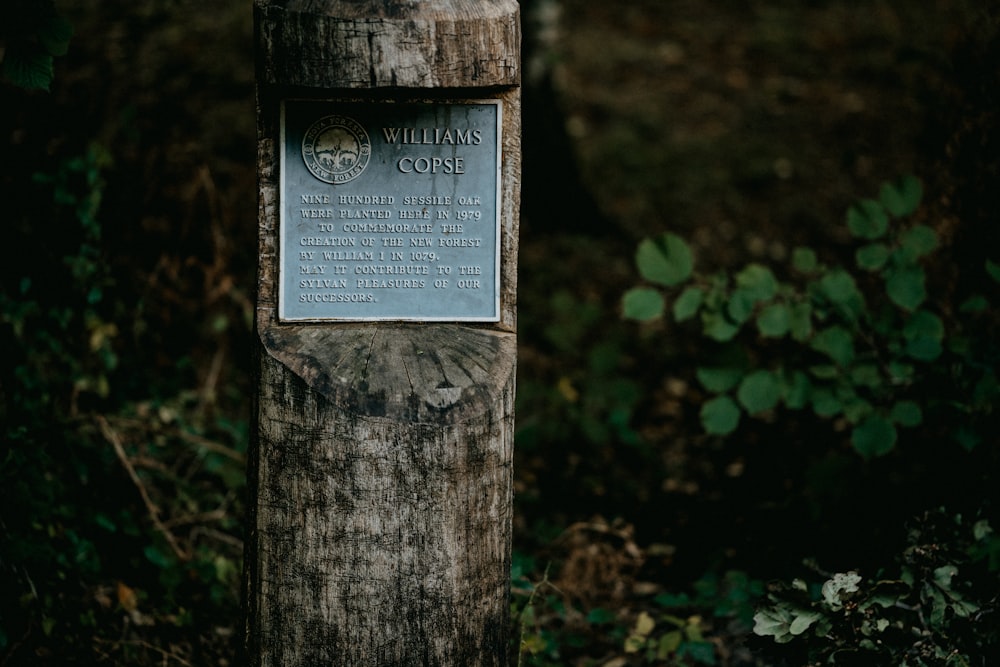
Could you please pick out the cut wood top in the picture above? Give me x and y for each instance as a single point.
(389, 44)
(445, 373)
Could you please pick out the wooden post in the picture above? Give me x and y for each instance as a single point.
(380, 467)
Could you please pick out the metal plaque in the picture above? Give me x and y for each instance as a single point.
(390, 211)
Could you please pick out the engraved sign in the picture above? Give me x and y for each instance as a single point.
(389, 211)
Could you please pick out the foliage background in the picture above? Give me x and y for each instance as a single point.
(746, 128)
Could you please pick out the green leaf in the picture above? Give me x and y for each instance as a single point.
(824, 371)
(824, 402)
(758, 282)
(720, 416)
(840, 288)
(759, 391)
(802, 621)
(701, 652)
(687, 304)
(838, 590)
(917, 242)
(867, 375)
(867, 219)
(887, 592)
(855, 407)
(835, 342)
(666, 260)
(804, 260)
(993, 269)
(157, 557)
(105, 522)
(795, 391)
(872, 257)
(642, 304)
(54, 35)
(924, 332)
(717, 327)
(906, 413)
(772, 622)
(901, 373)
(719, 379)
(774, 321)
(800, 321)
(987, 390)
(28, 69)
(905, 287)
(944, 574)
(974, 304)
(923, 349)
(740, 306)
(875, 436)
(644, 625)
(902, 197)
(598, 616)
(669, 643)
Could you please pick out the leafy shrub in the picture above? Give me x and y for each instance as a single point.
(865, 344)
(32, 33)
(940, 610)
(118, 520)
(552, 626)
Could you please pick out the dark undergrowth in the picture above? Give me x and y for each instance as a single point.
(126, 299)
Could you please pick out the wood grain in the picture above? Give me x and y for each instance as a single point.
(380, 467)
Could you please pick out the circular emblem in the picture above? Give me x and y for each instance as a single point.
(336, 149)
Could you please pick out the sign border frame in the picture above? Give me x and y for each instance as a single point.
(497, 231)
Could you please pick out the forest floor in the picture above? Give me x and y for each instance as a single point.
(746, 128)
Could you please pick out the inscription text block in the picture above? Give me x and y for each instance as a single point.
(389, 211)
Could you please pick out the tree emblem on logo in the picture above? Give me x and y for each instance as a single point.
(336, 149)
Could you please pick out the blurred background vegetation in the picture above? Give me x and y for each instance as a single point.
(746, 129)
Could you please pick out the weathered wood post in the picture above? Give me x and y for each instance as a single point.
(380, 470)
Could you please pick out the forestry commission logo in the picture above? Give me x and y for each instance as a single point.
(336, 149)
